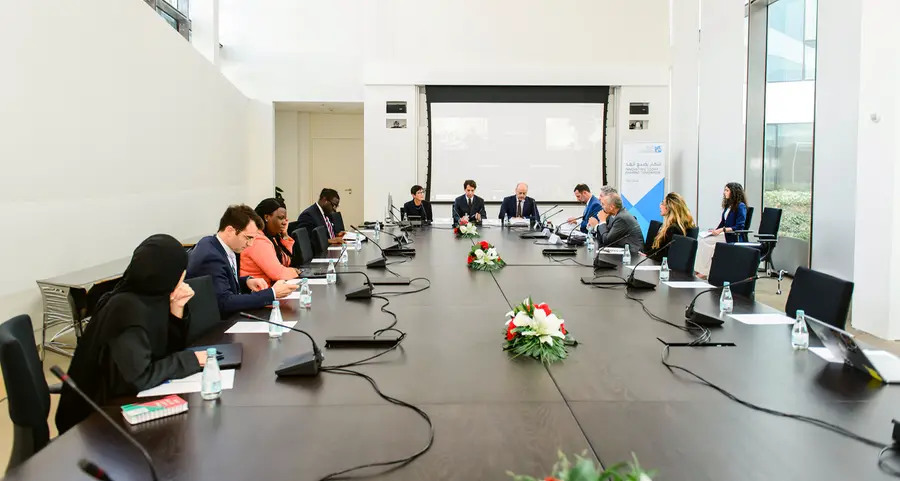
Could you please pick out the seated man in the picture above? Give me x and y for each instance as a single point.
(616, 226)
(218, 256)
(519, 206)
(469, 206)
(591, 206)
(418, 206)
(319, 215)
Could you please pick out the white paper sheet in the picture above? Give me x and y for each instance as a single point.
(518, 221)
(325, 260)
(349, 236)
(254, 327)
(312, 282)
(762, 319)
(644, 268)
(613, 250)
(293, 295)
(687, 285)
(187, 385)
(335, 248)
(704, 234)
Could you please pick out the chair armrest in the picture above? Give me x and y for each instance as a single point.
(768, 239)
(55, 388)
(742, 232)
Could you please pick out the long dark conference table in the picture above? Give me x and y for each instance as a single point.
(610, 398)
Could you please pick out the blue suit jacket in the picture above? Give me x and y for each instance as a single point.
(592, 208)
(529, 208)
(209, 259)
(735, 220)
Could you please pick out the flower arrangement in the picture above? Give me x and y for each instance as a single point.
(465, 229)
(484, 257)
(534, 330)
(585, 470)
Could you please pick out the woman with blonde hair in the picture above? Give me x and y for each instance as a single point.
(677, 220)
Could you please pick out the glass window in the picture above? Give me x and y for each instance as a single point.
(791, 43)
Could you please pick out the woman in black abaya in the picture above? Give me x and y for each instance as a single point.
(135, 340)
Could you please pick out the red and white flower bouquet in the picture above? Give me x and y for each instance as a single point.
(466, 229)
(484, 257)
(534, 330)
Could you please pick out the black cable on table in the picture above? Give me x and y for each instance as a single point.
(705, 333)
(554, 259)
(394, 464)
(401, 293)
(799, 417)
(885, 467)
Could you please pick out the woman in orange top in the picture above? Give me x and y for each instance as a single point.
(269, 256)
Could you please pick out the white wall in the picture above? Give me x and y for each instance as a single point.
(876, 306)
(684, 99)
(260, 151)
(837, 119)
(109, 135)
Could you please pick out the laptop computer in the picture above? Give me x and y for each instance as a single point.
(881, 365)
(228, 355)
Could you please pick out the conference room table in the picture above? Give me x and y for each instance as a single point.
(493, 413)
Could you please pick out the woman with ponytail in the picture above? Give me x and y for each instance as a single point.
(269, 256)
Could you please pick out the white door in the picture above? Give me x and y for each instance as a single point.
(336, 161)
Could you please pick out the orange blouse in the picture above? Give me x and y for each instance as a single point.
(261, 261)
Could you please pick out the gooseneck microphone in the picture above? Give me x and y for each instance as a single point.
(62, 376)
(637, 283)
(364, 292)
(306, 364)
(706, 320)
(381, 263)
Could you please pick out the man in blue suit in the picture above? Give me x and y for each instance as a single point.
(519, 206)
(218, 256)
(592, 206)
(469, 205)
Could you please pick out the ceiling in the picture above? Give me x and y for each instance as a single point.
(321, 107)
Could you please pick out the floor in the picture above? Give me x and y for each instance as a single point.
(766, 293)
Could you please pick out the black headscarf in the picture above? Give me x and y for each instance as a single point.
(140, 299)
(268, 207)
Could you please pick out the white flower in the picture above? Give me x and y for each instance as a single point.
(522, 320)
(492, 252)
(479, 254)
(644, 477)
(479, 261)
(547, 327)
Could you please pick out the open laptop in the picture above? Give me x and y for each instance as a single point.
(881, 365)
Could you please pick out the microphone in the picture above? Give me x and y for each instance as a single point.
(637, 283)
(62, 376)
(398, 249)
(93, 470)
(706, 320)
(381, 263)
(364, 292)
(541, 220)
(306, 364)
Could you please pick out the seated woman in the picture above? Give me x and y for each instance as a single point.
(418, 206)
(269, 256)
(135, 340)
(734, 214)
(676, 221)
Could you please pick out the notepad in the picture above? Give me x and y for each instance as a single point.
(762, 319)
(148, 411)
(254, 327)
(187, 385)
(644, 268)
(613, 250)
(687, 285)
(325, 260)
(312, 282)
(704, 234)
(335, 248)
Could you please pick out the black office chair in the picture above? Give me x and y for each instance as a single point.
(203, 308)
(748, 218)
(292, 226)
(26, 389)
(766, 238)
(652, 230)
(693, 232)
(303, 250)
(820, 295)
(319, 240)
(732, 263)
(683, 254)
(337, 222)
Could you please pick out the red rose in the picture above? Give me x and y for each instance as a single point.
(484, 245)
(544, 307)
(469, 259)
(548, 478)
(510, 335)
(456, 230)
(463, 222)
(562, 328)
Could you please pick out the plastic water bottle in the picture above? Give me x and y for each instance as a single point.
(626, 256)
(800, 333)
(275, 316)
(664, 270)
(506, 222)
(305, 294)
(358, 242)
(330, 275)
(589, 242)
(211, 380)
(726, 302)
(344, 256)
(377, 230)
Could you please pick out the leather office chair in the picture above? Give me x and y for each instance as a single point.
(337, 221)
(292, 226)
(683, 254)
(652, 230)
(766, 238)
(203, 308)
(748, 219)
(820, 295)
(26, 389)
(734, 263)
(303, 250)
(693, 232)
(319, 240)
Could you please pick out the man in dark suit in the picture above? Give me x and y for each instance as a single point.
(319, 215)
(519, 206)
(218, 256)
(617, 227)
(469, 206)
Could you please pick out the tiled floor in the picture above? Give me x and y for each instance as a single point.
(765, 293)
